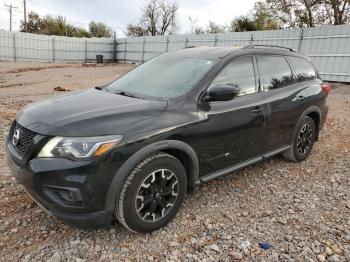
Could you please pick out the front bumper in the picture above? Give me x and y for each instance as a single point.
(41, 178)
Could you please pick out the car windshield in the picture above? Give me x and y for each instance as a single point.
(166, 76)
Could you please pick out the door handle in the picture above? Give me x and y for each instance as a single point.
(256, 110)
(300, 98)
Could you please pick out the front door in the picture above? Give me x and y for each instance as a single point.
(231, 132)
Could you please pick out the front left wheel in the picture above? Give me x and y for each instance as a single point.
(152, 193)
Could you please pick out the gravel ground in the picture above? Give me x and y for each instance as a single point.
(301, 209)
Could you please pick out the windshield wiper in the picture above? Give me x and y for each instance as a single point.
(126, 93)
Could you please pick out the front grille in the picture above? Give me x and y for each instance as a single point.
(25, 140)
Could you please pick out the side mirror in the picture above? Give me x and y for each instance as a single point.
(222, 92)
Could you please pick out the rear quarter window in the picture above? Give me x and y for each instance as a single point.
(274, 71)
(302, 68)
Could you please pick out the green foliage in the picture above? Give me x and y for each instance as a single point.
(99, 29)
(243, 24)
(260, 19)
(49, 25)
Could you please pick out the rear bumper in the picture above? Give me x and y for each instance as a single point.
(39, 176)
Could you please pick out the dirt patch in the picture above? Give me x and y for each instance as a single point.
(26, 69)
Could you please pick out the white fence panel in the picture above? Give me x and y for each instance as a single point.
(328, 46)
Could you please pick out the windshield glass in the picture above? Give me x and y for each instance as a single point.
(166, 76)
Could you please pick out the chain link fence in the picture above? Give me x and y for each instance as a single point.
(328, 47)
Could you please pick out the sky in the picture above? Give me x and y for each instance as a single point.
(118, 13)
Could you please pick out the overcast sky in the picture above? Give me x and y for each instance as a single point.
(118, 13)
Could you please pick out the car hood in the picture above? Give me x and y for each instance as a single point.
(88, 113)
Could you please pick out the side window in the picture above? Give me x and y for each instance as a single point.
(303, 70)
(275, 72)
(238, 72)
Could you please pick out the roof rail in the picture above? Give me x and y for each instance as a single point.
(269, 46)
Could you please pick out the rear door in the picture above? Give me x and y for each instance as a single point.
(231, 132)
(286, 99)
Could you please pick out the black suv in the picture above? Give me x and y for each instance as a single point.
(131, 150)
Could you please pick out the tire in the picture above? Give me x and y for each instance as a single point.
(303, 141)
(152, 194)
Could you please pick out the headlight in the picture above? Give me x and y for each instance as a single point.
(79, 147)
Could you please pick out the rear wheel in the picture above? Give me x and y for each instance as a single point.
(303, 141)
(152, 193)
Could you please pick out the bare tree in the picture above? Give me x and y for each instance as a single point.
(307, 11)
(301, 13)
(158, 18)
(337, 11)
(168, 17)
(198, 30)
(282, 12)
(214, 28)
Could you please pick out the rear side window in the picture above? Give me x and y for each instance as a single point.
(238, 72)
(303, 70)
(275, 72)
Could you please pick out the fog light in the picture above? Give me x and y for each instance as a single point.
(64, 195)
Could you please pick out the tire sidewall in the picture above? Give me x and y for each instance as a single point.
(131, 217)
(310, 121)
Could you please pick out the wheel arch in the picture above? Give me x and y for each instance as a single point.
(315, 113)
(317, 119)
(182, 151)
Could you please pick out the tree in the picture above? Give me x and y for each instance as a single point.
(198, 30)
(99, 29)
(158, 18)
(214, 28)
(135, 30)
(263, 18)
(49, 25)
(337, 12)
(242, 24)
(34, 25)
(302, 13)
(282, 12)
(260, 18)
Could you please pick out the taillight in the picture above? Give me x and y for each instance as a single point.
(326, 88)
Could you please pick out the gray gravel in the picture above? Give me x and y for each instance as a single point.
(301, 209)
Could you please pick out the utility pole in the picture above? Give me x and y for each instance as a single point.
(11, 7)
(25, 15)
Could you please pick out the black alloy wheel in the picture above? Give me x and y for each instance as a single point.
(303, 140)
(152, 194)
(157, 195)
